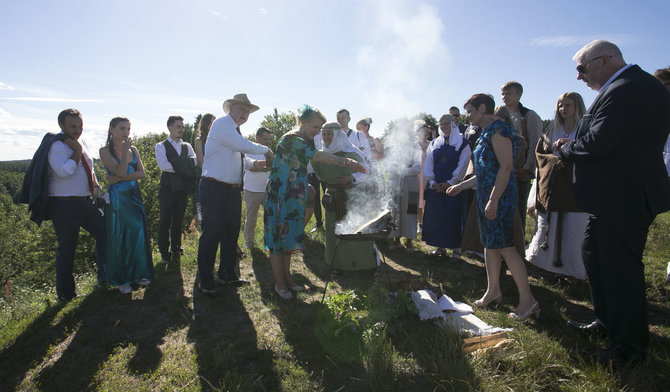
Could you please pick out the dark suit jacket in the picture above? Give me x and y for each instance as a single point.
(35, 190)
(618, 150)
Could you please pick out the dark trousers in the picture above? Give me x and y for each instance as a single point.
(314, 182)
(523, 187)
(612, 252)
(221, 212)
(172, 210)
(68, 215)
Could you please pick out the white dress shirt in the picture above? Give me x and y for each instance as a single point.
(254, 181)
(161, 157)
(65, 177)
(223, 158)
(359, 140)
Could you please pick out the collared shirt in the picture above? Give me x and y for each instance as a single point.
(65, 177)
(611, 79)
(223, 159)
(359, 140)
(254, 181)
(161, 158)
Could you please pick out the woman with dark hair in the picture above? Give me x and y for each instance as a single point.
(128, 250)
(559, 231)
(497, 199)
(286, 195)
(202, 131)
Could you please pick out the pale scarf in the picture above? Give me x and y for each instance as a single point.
(455, 138)
(341, 143)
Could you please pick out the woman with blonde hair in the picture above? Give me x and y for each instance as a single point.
(560, 227)
(376, 148)
(286, 195)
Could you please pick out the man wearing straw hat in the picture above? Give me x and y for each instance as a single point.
(220, 197)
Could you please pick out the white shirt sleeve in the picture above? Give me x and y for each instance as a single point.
(229, 137)
(59, 159)
(366, 146)
(463, 160)
(161, 158)
(358, 176)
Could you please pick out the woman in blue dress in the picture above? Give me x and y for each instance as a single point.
(286, 195)
(128, 251)
(497, 202)
(447, 158)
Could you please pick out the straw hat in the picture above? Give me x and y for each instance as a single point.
(239, 99)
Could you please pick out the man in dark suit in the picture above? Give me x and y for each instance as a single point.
(620, 180)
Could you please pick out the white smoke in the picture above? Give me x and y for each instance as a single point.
(380, 189)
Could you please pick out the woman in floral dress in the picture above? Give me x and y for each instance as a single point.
(286, 195)
(497, 199)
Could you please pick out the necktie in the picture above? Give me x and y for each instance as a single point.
(87, 169)
(241, 161)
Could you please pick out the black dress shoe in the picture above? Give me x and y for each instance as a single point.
(237, 282)
(594, 327)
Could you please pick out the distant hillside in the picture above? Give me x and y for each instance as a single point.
(11, 176)
(15, 166)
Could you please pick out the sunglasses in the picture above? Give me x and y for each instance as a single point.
(581, 68)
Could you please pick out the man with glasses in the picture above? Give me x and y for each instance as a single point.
(620, 180)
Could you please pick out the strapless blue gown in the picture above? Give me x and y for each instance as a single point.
(128, 249)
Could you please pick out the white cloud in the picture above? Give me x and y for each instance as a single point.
(404, 40)
(576, 40)
(263, 11)
(219, 15)
(5, 87)
(52, 99)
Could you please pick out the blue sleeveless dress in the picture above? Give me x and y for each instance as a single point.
(444, 216)
(497, 233)
(128, 249)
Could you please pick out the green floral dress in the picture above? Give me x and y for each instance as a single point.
(286, 195)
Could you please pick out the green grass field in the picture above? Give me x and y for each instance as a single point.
(171, 337)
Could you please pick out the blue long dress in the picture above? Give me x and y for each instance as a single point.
(444, 216)
(128, 250)
(497, 233)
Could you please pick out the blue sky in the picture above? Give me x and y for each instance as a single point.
(148, 59)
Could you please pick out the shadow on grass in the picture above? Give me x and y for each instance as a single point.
(69, 345)
(108, 319)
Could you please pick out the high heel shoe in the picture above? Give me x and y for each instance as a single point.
(534, 310)
(481, 303)
(283, 293)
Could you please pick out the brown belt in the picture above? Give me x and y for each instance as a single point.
(221, 182)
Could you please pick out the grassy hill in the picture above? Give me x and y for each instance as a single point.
(170, 336)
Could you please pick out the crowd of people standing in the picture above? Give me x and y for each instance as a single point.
(492, 172)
